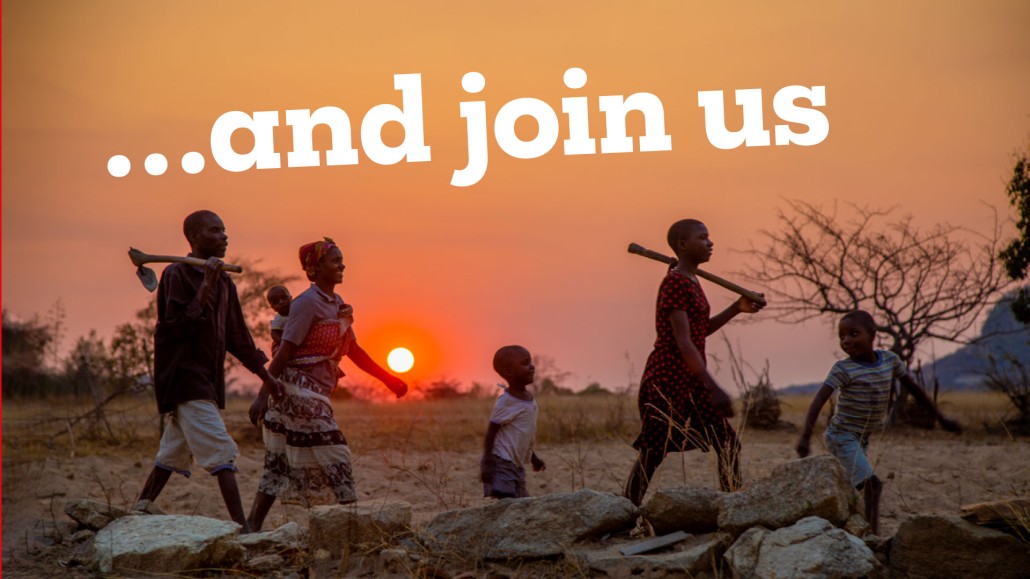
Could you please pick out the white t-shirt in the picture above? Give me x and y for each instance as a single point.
(517, 421)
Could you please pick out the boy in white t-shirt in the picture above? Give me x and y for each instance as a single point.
(512, 430)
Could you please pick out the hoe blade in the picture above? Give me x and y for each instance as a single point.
(147, 277)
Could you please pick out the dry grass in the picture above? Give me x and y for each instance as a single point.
(427, 453)
(34, 430)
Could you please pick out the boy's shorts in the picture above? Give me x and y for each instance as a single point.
(509, 480)
(850, 450)
(196, 430)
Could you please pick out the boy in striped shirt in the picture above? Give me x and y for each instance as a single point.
(863, 380)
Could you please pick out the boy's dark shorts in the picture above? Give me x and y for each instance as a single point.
(509, 481)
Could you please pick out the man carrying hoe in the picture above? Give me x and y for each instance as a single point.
(199, 319)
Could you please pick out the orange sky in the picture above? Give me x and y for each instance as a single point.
(927, 103)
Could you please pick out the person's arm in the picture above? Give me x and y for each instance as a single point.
(181, 305)
(695, 362)
(814, 409)
(362, 360)
(920, 395)
(741, 306)
(212, 273)
(486, 464)
(537, 462)
(240, 344)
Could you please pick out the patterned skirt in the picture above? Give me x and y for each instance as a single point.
(307, 460)
(679, 417)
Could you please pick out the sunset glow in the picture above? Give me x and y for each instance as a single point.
(922, 118)
(400, 360)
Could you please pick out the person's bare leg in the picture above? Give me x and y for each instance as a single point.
(155, 484)
(231, 496)
(259, 510)
(873, 488)
(640, 476)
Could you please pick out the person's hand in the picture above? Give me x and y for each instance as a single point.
(486, 469)
(275, 388)
(346, 312)
(257, 410)
(949, 425)
(538, 465)
(802, 446)
(721, 402)
(212, 269)
(396, 385)
(747, 306)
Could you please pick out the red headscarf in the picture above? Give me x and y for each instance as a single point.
(311, 253)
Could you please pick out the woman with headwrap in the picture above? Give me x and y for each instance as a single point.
(307, 460)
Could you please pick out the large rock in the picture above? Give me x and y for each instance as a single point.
(943, 546)
(812, 548)
(814, 486)
(531, 527)
(166, 544)
(365, 523)
(695, 555)
(688, 509)
(92, 514)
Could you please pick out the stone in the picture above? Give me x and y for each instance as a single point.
(285, 538)
(811, 548)
(265, 563)
(530, 527)
(166, 544)
(943, 546)
(335, 528)
(695, 555)
(93, 515)
(396, 561)
(146, 507)
(815, 486)
(81, 536)
(688, 509)
(857, 525)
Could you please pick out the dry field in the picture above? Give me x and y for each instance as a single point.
(427, 453)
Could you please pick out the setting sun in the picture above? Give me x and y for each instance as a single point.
(400, 360)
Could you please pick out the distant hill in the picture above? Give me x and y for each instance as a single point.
(963, 369)
(1003, 335)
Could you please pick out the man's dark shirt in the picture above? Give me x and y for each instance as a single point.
(190, 343)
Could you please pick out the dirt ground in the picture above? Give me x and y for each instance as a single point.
(924, 472)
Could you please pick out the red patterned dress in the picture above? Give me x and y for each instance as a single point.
(676, 410)
(307, 460)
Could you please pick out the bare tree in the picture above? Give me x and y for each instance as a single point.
(1011, 377)
(919, 284)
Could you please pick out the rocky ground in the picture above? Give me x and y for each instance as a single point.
(925, 473)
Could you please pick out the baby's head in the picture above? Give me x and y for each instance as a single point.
(279, 298)
(515, 365)
(857, 333)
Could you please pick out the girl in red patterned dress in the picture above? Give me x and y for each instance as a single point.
(307, 460)
(681, 405)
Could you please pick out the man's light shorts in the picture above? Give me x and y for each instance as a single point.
(196, 430)
(850, 450)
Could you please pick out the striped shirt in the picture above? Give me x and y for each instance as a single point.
(863, 390)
